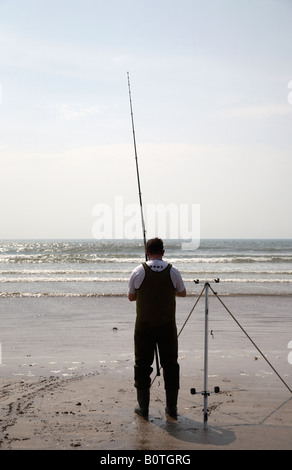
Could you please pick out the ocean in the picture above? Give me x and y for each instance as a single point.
(30, 268)
(64, 310)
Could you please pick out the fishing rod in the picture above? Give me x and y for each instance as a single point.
(140, 198)
(137, 167)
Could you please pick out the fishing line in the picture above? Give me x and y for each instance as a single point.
(191, 312)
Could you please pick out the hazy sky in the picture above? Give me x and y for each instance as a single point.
(210, 84)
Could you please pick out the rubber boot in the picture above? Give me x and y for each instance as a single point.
(143, 397)
(171, 403)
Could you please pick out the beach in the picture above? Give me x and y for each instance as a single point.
(67, 376)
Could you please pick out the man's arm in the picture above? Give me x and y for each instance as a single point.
(183, 293)
(180, 290)
(135, 281)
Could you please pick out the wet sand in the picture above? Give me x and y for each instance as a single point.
(96, 412)
(66, 382)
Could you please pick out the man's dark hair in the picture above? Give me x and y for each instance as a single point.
(155, 246)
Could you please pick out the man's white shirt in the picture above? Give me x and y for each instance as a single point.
(138, 275)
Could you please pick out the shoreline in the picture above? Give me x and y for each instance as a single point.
(9, 295)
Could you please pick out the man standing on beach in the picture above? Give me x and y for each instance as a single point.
(154, 285)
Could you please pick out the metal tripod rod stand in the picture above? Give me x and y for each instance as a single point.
(206, 355)
(206, 392)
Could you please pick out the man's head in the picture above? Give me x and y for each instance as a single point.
(155, 247)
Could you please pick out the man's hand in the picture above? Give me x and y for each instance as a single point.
(132, 297)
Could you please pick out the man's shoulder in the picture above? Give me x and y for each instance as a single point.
(138, 269)
(174, 268)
